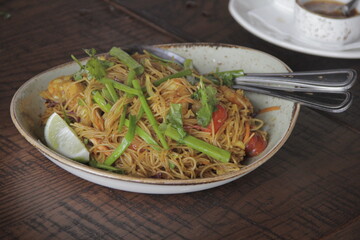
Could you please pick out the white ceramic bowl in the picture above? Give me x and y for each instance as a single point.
(207, 58)
(328, 31)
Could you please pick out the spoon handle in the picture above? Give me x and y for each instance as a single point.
(335, 102)
(326, 90)
(333, 80)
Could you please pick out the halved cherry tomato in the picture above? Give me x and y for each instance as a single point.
(256, 145)
(218, 117)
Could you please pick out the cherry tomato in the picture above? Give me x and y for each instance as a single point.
(256, 145)
(218, 117)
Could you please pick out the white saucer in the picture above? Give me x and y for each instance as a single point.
(240, 10)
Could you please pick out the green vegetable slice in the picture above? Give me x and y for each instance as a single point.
(97, 164)
(145, 136)
(130, 77)
(112, 92)
(125, 143)
(125, 58)
(120, 86)
(149, 114)
(100, 100)
(199, 145)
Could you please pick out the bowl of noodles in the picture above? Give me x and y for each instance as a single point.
(151, 125)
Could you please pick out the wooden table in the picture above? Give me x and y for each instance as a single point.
(309, 190)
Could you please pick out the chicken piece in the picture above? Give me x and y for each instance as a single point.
(73, 91)
(64, 90)
(56, 89)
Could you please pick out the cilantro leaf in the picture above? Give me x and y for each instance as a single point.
(95, 68)
(188, 64)
(174, 118)
(107, 64)
(91, 52)
(207, 97)
(79, 74)
(225, 78)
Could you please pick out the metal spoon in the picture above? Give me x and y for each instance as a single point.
(325, 90)
(347, 8)
(334, 80)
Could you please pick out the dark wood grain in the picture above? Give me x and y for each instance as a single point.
(309, 190)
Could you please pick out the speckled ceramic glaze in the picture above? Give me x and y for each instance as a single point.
(325, 30)
(27, 107)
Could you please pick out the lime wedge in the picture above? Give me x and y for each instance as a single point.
(60, 137)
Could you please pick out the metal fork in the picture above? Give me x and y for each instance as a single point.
(326, 90)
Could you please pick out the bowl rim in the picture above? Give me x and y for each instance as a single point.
(153, 181)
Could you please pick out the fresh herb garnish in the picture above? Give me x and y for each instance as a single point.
(174, 118)
(188, 64)
(79, 74)
(225, 78)
(207, 97)
(94, 68)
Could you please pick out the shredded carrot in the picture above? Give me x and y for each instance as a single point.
(269, 109)
(247, 132)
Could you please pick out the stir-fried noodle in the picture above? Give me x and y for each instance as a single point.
(99, 130)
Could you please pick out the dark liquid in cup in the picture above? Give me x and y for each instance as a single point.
(328, 9)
